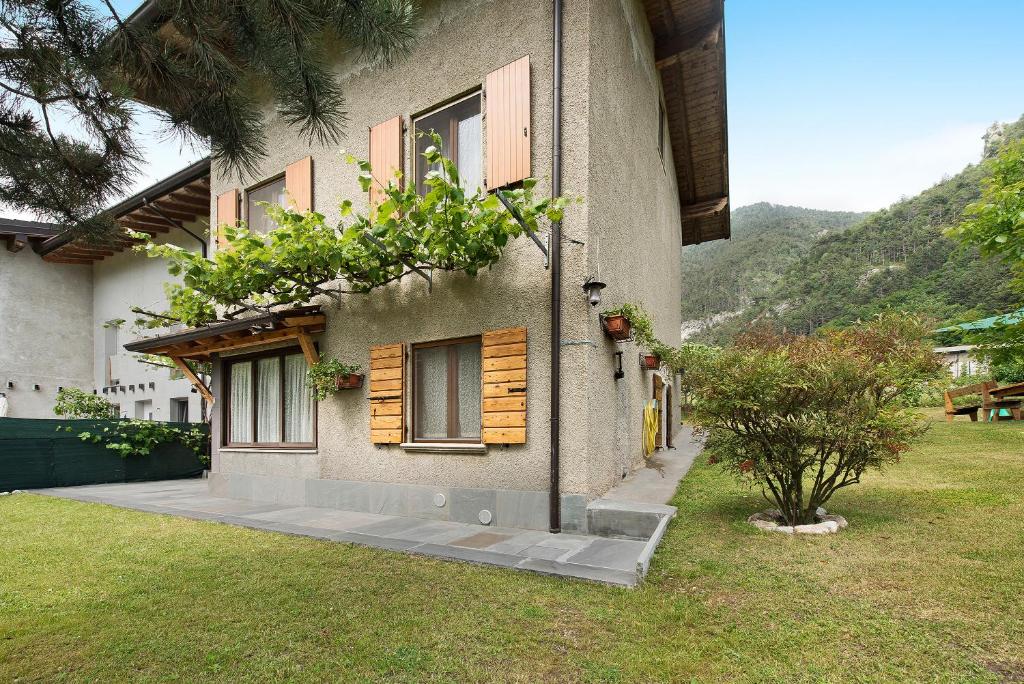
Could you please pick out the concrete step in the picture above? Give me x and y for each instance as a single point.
(627, 519)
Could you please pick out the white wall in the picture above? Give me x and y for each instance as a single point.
(45, 330)
(120, 282)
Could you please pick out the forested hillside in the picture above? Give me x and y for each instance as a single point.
(727, 276)
(895, 258)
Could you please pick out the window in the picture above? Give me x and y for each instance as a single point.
(446, 391)
(110, 335)
(459, 125)
(179, 410)
(144, 410)
(268, 401)
(272, 192)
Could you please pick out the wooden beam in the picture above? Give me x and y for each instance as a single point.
(145, 226)
(702, 209)
(667, 49)
(194, 379)
(159, 211)
(308, 348)
(53, 259)
(15, 243)
(185, 203)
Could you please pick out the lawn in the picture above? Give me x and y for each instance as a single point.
(926, 584)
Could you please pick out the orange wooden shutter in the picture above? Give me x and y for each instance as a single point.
(508, 124)
(504, 406)
(227, 212)
(385, 157)
(387, 393)
(298, 183)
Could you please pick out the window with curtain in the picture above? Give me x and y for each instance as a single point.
(447, 391)
(459, 125)
(272, 192)
(269, 402)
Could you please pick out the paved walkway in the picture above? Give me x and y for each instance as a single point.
(612, 561)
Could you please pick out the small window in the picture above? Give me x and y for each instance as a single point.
(272, 192)
(459, 126)
(179, 410)
(269, 402)
(446, 391)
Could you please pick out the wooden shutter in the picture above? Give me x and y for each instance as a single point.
(385, 157)
(387, 393)
(298, 184)
(504, 369)
(508, 124)
(227, 212)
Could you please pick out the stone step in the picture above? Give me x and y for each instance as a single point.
(627, 519)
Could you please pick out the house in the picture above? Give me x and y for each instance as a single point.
(66, 306)
(961, 358)
(493, 399)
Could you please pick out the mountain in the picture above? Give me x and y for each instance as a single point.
(896, 258)
(725, 277)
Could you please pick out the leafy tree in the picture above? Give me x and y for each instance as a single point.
(206, 66)
(445, 229)
(805, 416)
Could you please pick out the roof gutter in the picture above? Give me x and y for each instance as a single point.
(555, 503)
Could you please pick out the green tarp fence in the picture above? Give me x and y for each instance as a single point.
(35, 454)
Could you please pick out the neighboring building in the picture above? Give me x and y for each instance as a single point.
(960, 358)
(62, 303)
(455, 419)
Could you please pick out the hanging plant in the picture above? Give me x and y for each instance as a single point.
(327, 376)
(637, 324)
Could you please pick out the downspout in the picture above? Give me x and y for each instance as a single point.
(556, 268)
(202, 243)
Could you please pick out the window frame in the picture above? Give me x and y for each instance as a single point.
(226, 365)
(243, 197)
(453, 389)
(478, 93)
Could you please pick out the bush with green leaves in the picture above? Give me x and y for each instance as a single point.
(803, 417)
(321, 376)
(130, 437)
(448, 228)
(75, 403)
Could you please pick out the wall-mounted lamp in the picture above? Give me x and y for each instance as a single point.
(152, 385)
(10, 384)
(36, 388)
(593, 289)
(619, 373)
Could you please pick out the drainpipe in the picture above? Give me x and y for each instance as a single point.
(556, 268)
(202, 243)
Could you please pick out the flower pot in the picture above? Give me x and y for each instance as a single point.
(650, 362)
(350, 381)
(616, 327)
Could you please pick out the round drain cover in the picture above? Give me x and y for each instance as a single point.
(485, 517)
(439, 500)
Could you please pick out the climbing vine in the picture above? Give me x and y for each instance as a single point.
(448, 228)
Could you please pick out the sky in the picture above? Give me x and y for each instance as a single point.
(833, 104)
(851, 104)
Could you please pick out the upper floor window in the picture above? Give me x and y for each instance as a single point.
(272, 192)
(460, 127)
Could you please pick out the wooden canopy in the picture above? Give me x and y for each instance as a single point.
(16, 233)
(183, 197)
(689, 48)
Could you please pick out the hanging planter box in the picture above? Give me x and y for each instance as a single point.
(350, 381)
(650, 361)
(617, 327)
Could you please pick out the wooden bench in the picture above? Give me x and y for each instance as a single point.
(979, 388)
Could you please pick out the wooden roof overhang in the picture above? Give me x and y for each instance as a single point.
(160, 208)
(17, 233)
(200, 344)
(689, 50)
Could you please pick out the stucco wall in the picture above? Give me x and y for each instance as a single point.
(45, 330)
(460, 43)
(120, 282)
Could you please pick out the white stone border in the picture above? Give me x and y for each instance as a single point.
(771, 521)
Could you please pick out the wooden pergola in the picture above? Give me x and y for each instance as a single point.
(201, 344)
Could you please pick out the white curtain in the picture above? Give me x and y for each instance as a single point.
(298, 401)
(469, 389)
(431, 393)
(268, 400)
(240, 429)
(272, 193)
(470, 156)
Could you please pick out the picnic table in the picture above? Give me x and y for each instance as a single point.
(1006, 398)
(1014, 390)
(996, 402)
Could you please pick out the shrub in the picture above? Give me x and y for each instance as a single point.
(804, 416)
(75, 403)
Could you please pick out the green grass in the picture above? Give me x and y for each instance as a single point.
(926, 584)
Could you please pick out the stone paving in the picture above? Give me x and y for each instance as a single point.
(612, 561)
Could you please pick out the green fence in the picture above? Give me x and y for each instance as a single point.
(34, 454)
